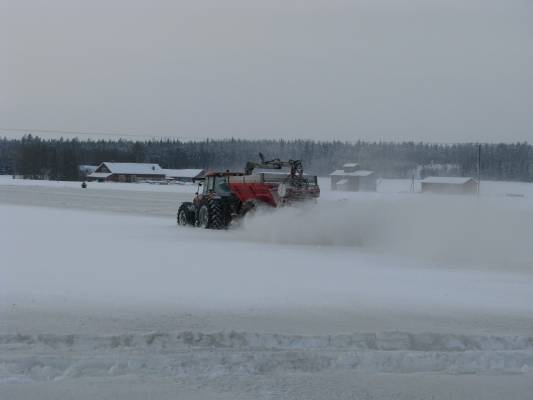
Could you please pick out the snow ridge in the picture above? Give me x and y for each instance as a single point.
(382, 341)
(196, 354)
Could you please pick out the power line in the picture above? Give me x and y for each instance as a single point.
(91, 133)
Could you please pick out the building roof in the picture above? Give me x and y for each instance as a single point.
(447, 180)
(99, 175)
(350, 165)
(360, 172)
(182, 173)
(133, 168)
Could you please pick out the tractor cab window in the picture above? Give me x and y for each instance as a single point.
(208, 184)
(221, 185)
(217, 184)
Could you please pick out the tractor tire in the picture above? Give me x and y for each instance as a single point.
(212, 215)
(185, 216)
(217, 216)
(203, 217)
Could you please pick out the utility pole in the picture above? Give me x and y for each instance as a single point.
(478, 167)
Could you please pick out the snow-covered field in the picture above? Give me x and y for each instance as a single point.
(362, 296)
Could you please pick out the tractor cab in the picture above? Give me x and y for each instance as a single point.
(214, 185)
(218, 183)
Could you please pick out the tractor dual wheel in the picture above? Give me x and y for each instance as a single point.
(212, 215)
(203, 217)
(185, 216)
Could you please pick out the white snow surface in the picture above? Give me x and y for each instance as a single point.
(7, 181)
(361, 296)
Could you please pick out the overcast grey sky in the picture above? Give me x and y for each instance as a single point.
(432, 70)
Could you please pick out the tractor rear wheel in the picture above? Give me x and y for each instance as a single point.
(203, 217)
(212, 215)
(185, 216)
(217, 216)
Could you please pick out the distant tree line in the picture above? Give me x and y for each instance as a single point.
(59, 159)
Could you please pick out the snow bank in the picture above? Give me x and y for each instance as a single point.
(201, 354)
(382, 341)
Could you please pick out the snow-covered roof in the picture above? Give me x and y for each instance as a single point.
(133, 168)
(183, 173)
(342, 182)
(350, 165)
(447, 180)
(360, 172)
(99, 175)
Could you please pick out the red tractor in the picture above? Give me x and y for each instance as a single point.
(223, 197)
